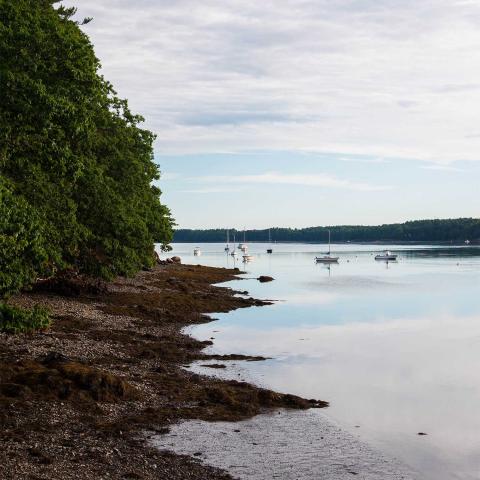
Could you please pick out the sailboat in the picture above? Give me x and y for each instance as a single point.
(270, 249)
(234, 251)
(327, 258)
(387, 256)
(243, 246)
(227, 247)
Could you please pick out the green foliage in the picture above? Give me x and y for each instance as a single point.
(22, 245)
(450, 230)
(16, 320)
(78, 167)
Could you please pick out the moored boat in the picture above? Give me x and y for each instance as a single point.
(270, 249)
(197, 252)
(227, 246)
(387, 256)
(243, 246)
(328, 257)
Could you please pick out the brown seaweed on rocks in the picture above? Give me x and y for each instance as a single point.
(74, 400)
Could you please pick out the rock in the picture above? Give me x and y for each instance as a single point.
(55, 357)
(265, 279)
(14, 390)
(176, 260)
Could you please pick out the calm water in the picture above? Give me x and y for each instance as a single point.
(395, 348)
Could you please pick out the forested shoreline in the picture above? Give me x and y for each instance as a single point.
(450, 230)
(77, 171)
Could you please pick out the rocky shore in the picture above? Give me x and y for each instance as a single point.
(76, 399)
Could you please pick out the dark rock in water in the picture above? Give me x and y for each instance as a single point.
(214, 365)
(422, 434)
(265, 279)
(176, 260)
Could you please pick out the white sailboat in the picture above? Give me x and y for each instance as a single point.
(234, 253)
(197, 252)
(386, 256)
(243, 246)
(327, 258)
(227, 247)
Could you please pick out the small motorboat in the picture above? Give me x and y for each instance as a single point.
(269, 250)
(248, 258)
(197, 252)
(386, 256)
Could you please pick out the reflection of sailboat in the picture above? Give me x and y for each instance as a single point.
(270, 249)
(327, 258)
(328, 266)
(227, 247)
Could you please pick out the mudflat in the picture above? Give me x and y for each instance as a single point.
(76, 400)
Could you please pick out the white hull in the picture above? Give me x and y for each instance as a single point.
(389, 258)
(247, 258)
(326, 259)
(386, 256)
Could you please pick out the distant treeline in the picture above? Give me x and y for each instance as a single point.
(451, 230)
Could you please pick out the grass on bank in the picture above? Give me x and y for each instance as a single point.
(16, 320)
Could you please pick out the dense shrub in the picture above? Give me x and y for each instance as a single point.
(17, 320)
(22, 252)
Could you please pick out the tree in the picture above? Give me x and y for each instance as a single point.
(72, 154)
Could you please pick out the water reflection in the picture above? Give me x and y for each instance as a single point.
(394, 347)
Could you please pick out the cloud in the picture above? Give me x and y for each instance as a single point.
(306, 180)
(442, 168)
(380, 78)
(208, 190)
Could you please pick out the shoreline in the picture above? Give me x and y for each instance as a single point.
(76, 398)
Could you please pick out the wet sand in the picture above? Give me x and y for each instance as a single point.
(287, 445)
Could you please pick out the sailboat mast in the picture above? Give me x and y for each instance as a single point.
(329, 251)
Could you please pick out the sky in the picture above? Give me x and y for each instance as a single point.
(302, 112)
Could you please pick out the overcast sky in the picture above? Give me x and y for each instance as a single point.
(302, 112)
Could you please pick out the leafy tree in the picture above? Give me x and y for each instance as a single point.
(79, 169)
(22, 245)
